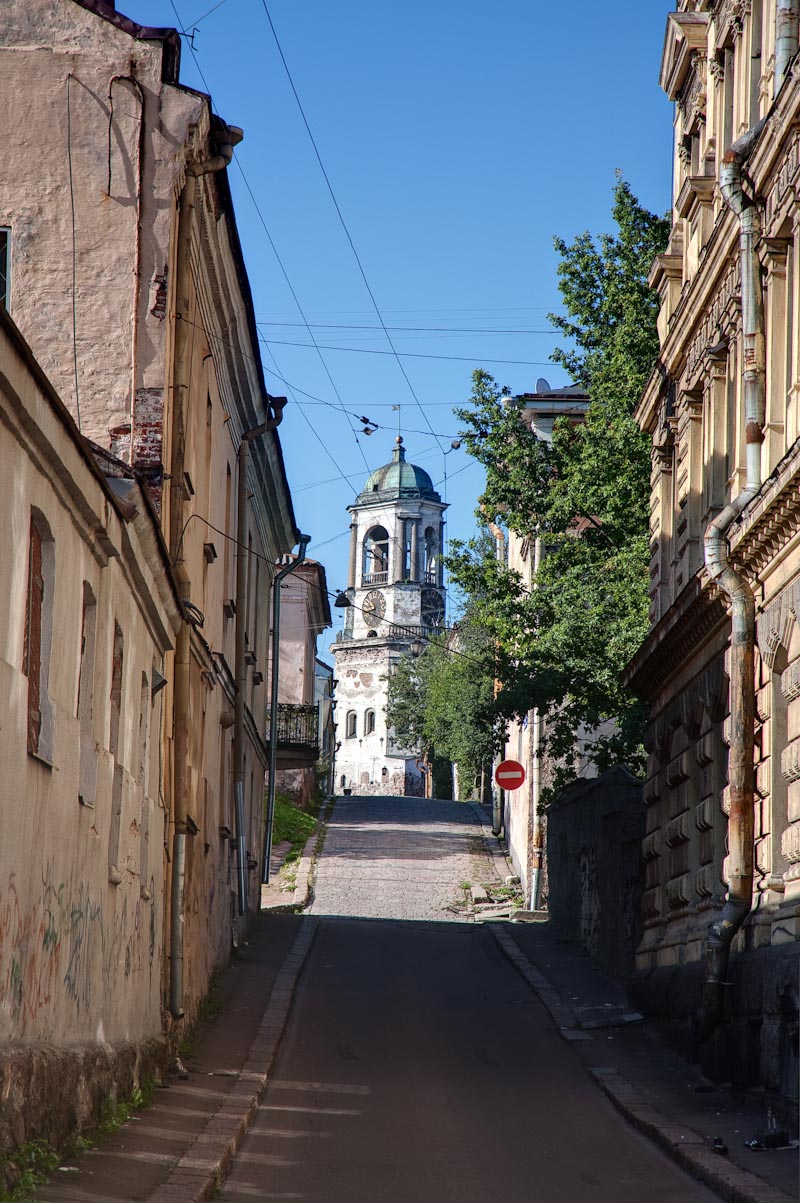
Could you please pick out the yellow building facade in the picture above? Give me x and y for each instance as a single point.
(720, 669)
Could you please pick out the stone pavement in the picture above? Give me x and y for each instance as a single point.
(399, 858)
(407, 859)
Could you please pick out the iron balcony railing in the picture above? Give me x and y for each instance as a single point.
(298, 726)
(375, 578)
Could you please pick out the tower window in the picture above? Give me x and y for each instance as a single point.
(431, 565)
(351, 724)
(369, 722)
(376, 557)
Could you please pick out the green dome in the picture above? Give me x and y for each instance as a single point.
(398, 479)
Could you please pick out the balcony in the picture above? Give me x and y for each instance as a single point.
(375, 578)
(297, 736)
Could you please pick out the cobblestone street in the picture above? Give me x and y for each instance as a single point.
(399, 858)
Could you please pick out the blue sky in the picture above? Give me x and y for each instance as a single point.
(458, 138)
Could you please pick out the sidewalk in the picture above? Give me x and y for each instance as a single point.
(662, 1095)
(177, 1149)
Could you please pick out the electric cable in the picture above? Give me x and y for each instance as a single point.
(341, 217)
(277, 256)
(534, 363)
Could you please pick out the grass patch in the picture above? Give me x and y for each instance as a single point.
(28, 1167)
(33, 1164)
(293, 825)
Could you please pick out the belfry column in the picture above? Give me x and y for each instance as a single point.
(415, 549)
(351, 571)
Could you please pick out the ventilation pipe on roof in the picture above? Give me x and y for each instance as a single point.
(787, 35)
(741, 772)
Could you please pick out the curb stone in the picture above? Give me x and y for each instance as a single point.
(690, 1150)
(684, 1145)
(500, 862)
(203, 1168)
(561, 1012)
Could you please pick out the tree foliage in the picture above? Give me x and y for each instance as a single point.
(562, 645)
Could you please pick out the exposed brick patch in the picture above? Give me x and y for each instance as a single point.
(120, 441)
(158, 295)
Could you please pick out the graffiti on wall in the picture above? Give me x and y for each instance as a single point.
(56, 943)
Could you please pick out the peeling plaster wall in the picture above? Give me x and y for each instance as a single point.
(81, 899)
(75, 103)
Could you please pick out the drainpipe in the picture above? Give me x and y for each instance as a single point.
(787, 35)
(741, 771)
(535, 722)
(240, 663)
(273, 699)
(180, 404)
(497, 793)
(180, 715)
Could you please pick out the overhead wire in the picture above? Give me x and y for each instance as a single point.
(289, 284)
(535, 363)
(341, 217)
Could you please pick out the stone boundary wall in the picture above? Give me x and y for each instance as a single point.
(595, 866)
(55, 1094)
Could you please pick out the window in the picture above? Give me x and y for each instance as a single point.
(351, 724)
(38, 636)
(115, 698)
(431, 567)
(369, 722)
(88, 752)
(376, 557)
(5, 266)
(142, 781)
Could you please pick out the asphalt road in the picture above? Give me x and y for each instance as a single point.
(418, 1067)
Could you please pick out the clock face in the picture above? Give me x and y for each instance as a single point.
(432, 609)
(373, 608)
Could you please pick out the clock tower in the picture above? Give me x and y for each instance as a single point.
(397, 597)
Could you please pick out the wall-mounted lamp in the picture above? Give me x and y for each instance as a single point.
(157, 683)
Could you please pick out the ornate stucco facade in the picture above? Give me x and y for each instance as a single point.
(723, 781)
(396, 595)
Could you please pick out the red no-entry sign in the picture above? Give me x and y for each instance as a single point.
(509, 775)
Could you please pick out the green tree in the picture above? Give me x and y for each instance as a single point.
(441, 701)
(562, 646)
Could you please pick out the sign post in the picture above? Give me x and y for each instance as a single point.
(509, 775)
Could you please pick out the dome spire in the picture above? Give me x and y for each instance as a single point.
(399, 452)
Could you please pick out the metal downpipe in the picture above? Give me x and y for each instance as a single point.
(273, 701)
(180, 716)
(497, 792)
(787, 35)
(741, 770)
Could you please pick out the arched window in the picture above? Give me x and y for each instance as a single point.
(431, 557)
(351, 724)
(369, 722)
(376, 557)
